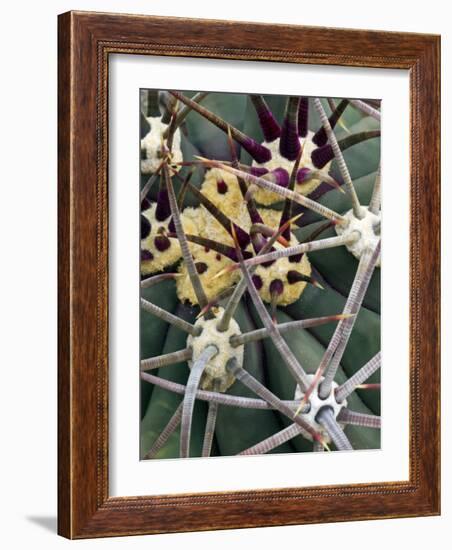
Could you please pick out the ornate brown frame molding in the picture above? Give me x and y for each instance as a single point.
(85, 42)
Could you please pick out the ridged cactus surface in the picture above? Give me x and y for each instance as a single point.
(260, 274)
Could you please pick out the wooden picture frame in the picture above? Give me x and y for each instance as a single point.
(85, 42)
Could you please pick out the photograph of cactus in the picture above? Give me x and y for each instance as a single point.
(260, 274)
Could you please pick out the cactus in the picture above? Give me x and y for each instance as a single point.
(260, 274)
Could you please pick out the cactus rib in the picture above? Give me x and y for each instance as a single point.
(364, 273)
(167, 431)
(259, 389)
(274, 441)
(339, 158)
(345, 389)
(168, 317)
(258, 334)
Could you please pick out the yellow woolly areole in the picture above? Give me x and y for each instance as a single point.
(205, 226)
(210, 262)
(152, 145)
(215, 375)
(214, 263)
(161, 259)
(231, 203)
(279, 270)
(222, 188)
(265, 197)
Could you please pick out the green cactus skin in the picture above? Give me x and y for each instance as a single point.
(237, 428)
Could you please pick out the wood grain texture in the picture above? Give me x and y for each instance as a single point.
(85, 42)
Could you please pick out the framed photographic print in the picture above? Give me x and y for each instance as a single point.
(248, 275)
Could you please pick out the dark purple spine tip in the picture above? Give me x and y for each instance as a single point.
(295, 277)
(303, 174)
(276, 287)
(255, 217)
(222, 187)
(320, 137)
(259, 153)
(258, 171)
(257, 281)
(270, 128)
(289, 144)
(201, 267)
(242, 237)
(322, 156)
(145, 227)
(281, 177)
(145, 127)
(145, 204)
(146, 255)
(163, 209)
(268, 264)
(303, 113)
(171, 226)
(295, 259)
(162, 243)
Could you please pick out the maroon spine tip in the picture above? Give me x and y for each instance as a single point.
(269, 263)
(222, 187)
(289, 144)
(295, 258)
(276, 287)
(269, 125)
(258, 171)
(303, 116)
(259, 153)
(242, 237)
(145, 127)
(322, 156)
(270, 128)
(145, 227)
(294, 277)
(171, 226)
(303, 174)
(146, 255)
(163, 209)
(162, 243)
(281, 177)
(257, 282)
(201, 267)
(320, 137)
(145, 204)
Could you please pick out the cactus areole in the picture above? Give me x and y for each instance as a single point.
(215, 374)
